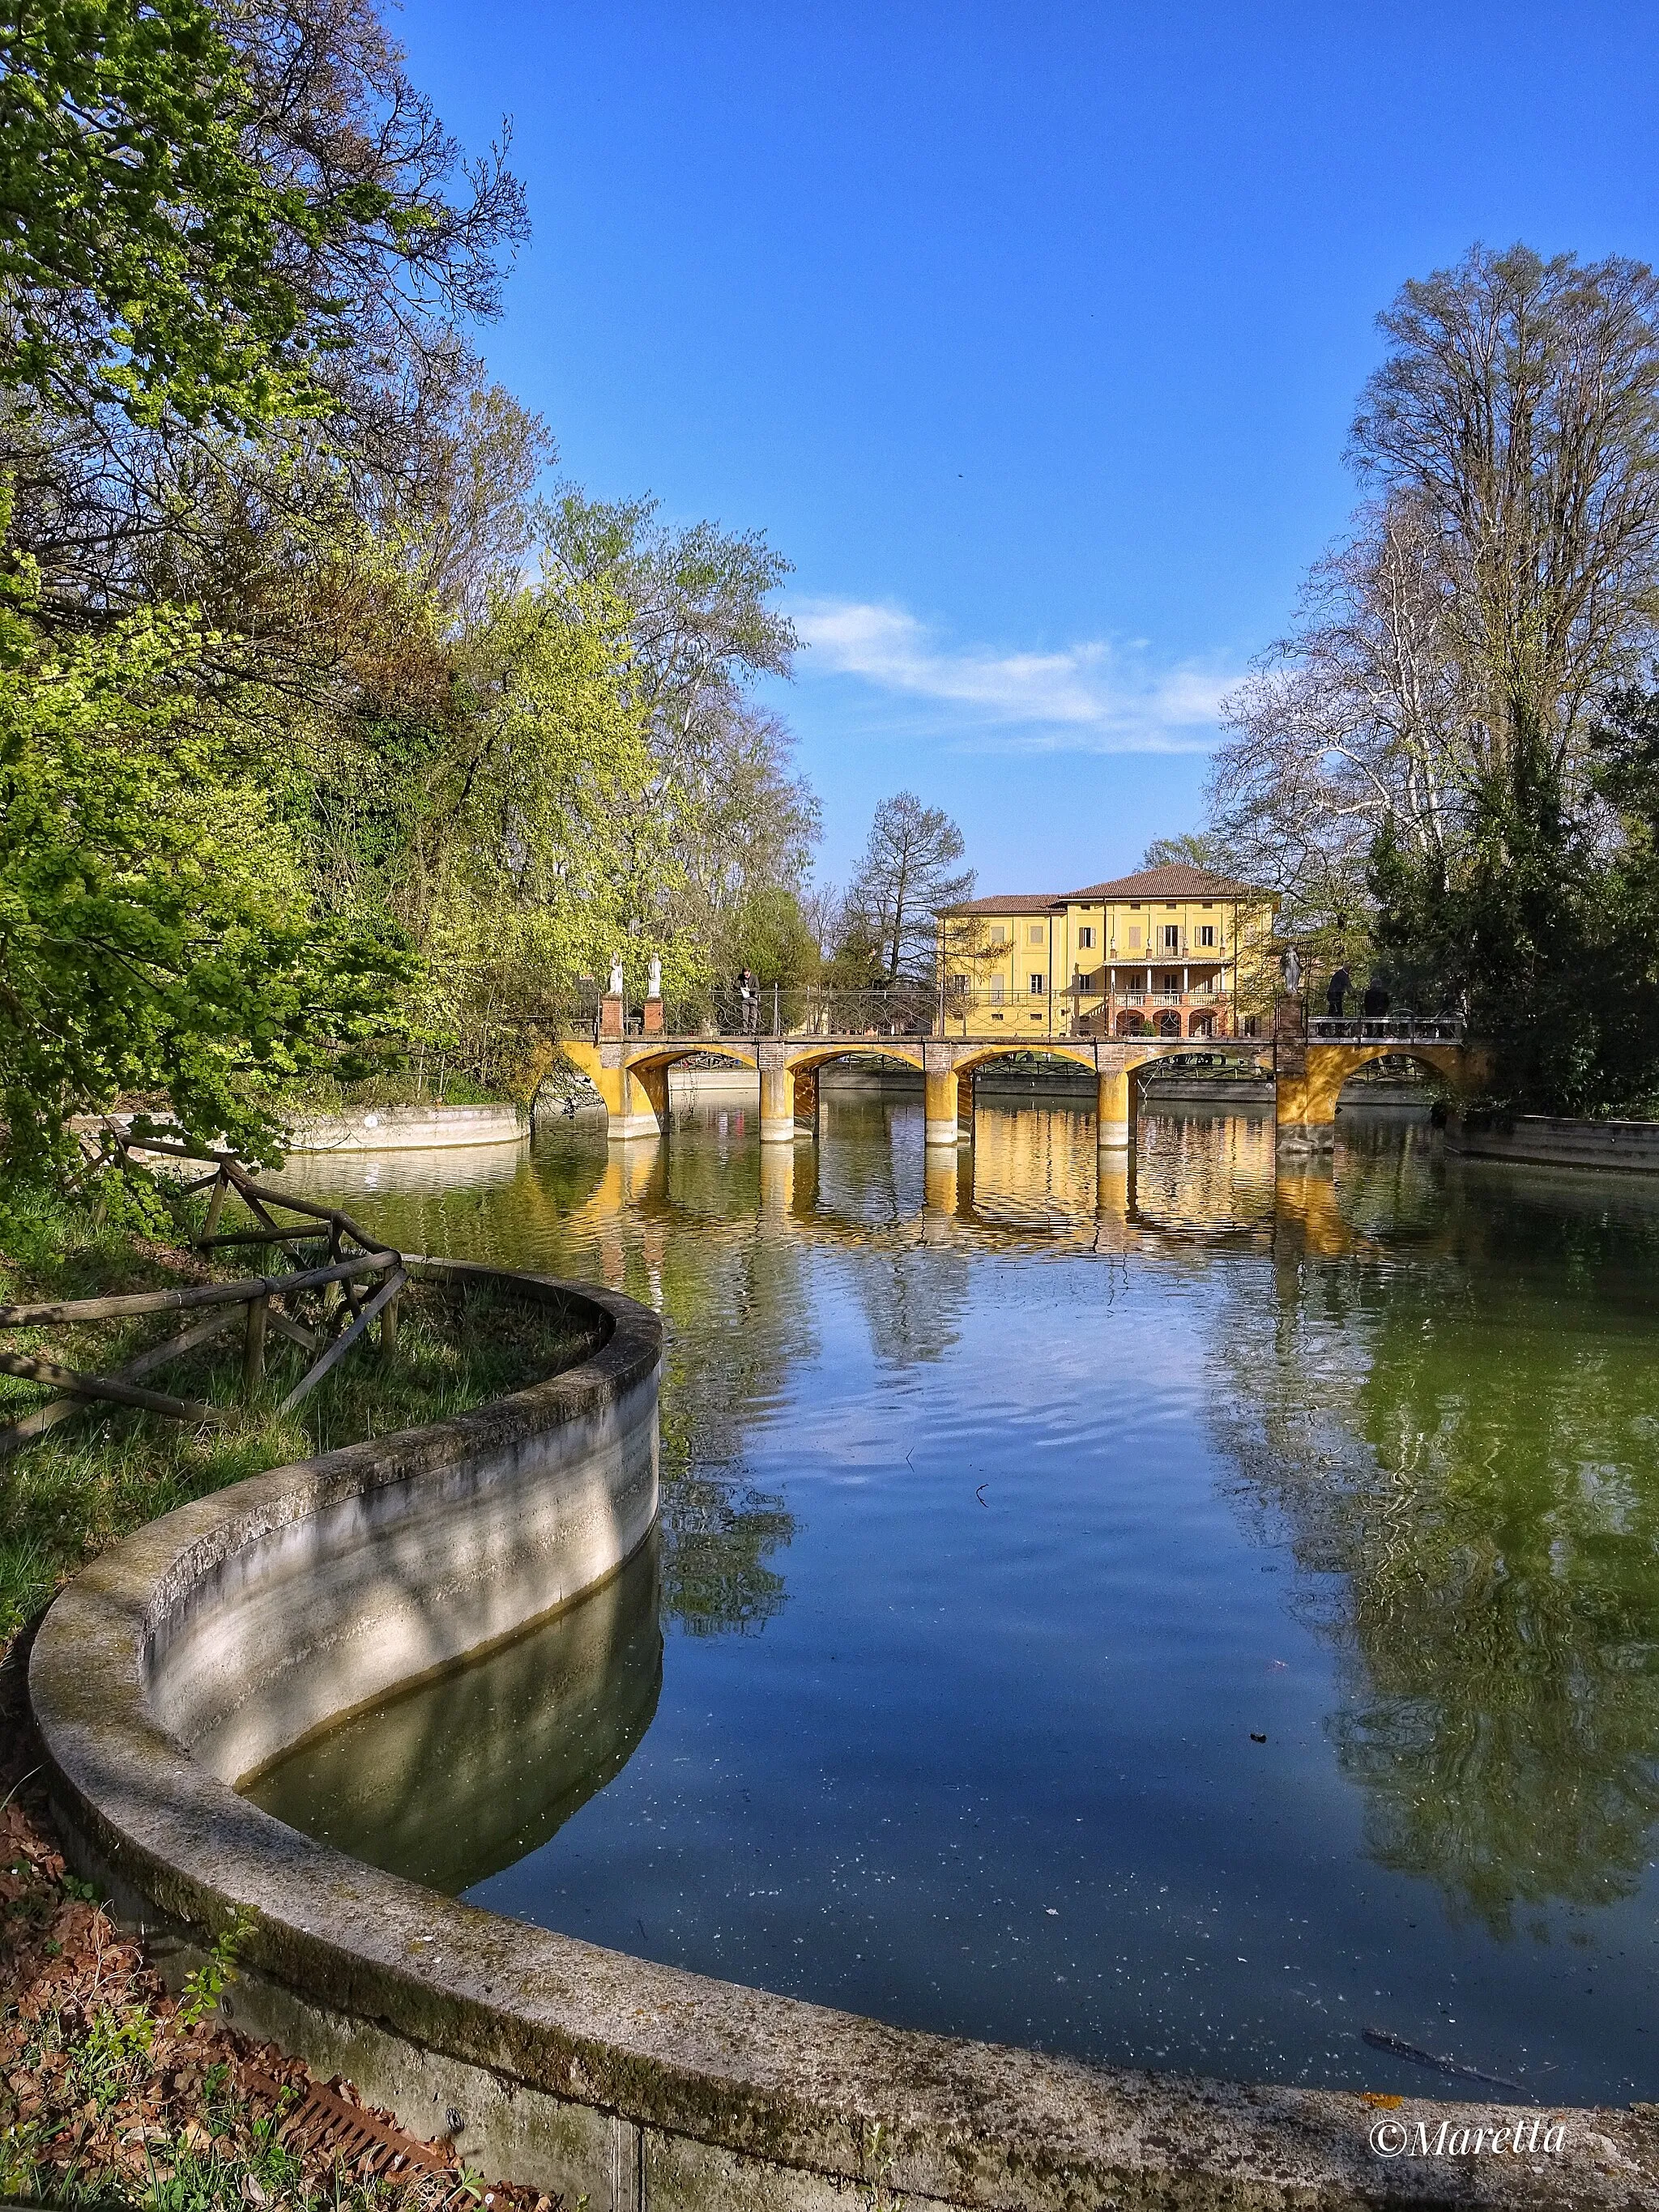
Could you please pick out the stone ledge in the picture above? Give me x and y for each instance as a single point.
(580, 2069)
(1546, 1140)
(408, 1128)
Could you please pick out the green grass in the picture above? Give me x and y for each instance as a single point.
(105, 1472)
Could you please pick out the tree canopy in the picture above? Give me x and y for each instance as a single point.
(327, 734)
(1414, 768)
(908, 872)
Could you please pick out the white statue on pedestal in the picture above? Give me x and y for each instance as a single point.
(653, 982)
(616, 975)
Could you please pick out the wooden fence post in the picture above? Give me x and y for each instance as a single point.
(253, 1347)
(389, 1326)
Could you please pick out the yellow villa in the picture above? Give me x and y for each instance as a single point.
(1175, 952)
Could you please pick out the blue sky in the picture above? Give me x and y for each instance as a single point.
(1030, 334)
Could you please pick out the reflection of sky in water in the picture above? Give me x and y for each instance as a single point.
(1006, 1502)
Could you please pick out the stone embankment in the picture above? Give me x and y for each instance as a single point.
(220, 1634)
(407, 1128)
(1546, 1141)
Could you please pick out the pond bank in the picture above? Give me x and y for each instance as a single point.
(408, 1128)
(197, 1646)
(1546, 1140)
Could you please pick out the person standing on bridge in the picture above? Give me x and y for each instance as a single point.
(1337, 990)
(1376, 1003)
(749, 995)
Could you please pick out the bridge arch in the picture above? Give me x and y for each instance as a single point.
(1329, 1067)
(806, 1058)
(670, 1056)
(1079, 1055)
(1310, 1082)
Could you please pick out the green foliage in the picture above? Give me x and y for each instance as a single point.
(298, 775)
(155, 930)
(139, 254)
(770, 935)
(205, 1984)
(1193, 848)
(1545, 932)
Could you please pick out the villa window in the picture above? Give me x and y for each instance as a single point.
(996, 990)
(1037, 985)
(998, 934)
(1134, 937)
(1207, 933)
(1085, 938)
(1172, 937)
(959, 986)
(1034, 934)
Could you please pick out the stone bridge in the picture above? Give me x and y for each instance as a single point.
(631, 1073)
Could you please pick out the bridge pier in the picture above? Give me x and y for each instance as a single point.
(777, 1100)
(635, 1101)
(1114, 1108)
(943, 1107)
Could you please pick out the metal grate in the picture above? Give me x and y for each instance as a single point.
(325, 2124)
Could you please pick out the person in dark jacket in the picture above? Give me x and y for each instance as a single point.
(1337, 990)
(1377, 998)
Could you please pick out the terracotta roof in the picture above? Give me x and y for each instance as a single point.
(1014, 903)
(1180, 880)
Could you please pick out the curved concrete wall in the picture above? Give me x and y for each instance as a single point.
(220, 1633)
(408, 1128)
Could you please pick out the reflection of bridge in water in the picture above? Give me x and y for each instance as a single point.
(1019, 1187)
(1308, 1065)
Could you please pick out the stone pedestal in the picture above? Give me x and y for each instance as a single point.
(610, 1016)
(653, 1017)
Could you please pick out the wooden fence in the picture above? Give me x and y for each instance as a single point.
(264, 1305)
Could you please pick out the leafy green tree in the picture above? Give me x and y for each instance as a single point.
(139, 256)
(702, 632)
(156, 934)
(1196, 848)
(770, 935)
(1423, 744)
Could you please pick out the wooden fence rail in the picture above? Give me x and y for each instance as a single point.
(344, 1321)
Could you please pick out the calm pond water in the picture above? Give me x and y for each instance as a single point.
(1005, 1511)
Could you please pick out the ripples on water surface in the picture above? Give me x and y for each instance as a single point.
(1002, 1512)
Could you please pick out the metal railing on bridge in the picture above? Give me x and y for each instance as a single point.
(1384, 1029)
(915, 1010)
(789, 1010)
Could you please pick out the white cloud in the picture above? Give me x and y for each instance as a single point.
(1092, 697)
